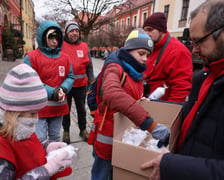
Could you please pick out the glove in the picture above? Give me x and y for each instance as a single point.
(146, 88)
(57, 163)
(160, 132)
(55, 145)
(163, 142)
(56, 94)
(64, 89)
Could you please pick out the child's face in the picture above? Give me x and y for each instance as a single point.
(141, 55)
(52, 42)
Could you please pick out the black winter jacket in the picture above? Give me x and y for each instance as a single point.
(202, 153)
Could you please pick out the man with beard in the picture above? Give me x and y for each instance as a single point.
(83, 72)
(200, 146)
(170, 64)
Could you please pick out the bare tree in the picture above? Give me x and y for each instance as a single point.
(88, 13)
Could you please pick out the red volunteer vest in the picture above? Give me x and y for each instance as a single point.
(80, 60)
(104, 149)
(53, 72)
(24, 155)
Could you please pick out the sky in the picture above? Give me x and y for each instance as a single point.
(39, 8)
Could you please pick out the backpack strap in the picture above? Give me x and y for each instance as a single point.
(122, 81)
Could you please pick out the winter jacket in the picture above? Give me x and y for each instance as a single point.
(201, 156)
(174, 70)
(53, 67)
(113, 94)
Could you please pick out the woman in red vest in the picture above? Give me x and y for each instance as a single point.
(22, 95)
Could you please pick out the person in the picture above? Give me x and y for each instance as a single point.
(170, 64)
(200, 147)
(131, 59)
(83, 71)
(22, 156)
(55, 71)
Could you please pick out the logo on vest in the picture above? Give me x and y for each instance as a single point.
(61, 71)
(80, 53)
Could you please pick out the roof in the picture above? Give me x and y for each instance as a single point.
(127, 6)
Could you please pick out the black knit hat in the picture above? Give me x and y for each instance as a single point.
(158, 21)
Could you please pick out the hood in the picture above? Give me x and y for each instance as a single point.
(41, 34)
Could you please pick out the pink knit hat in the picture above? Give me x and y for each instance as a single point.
(22, 90)
(158, 21)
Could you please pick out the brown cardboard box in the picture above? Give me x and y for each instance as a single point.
(126, 158)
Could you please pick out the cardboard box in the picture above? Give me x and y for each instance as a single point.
(126, 158)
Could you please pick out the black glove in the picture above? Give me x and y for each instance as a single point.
(146, 88)
(55, 94)
(64, 89)
(164, 142)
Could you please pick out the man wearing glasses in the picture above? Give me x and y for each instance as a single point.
(200, 147)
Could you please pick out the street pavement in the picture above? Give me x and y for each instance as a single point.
(81, 166)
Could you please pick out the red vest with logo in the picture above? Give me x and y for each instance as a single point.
(53, 72)
(102, 139)
(80, 60)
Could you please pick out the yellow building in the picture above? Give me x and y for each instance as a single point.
(28, 25)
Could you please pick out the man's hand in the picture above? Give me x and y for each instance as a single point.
(155, 164)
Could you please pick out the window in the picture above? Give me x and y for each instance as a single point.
(184, 9)
(135, 21)
(128, 23)
(122, 24)
(144, 17)
(166, 10)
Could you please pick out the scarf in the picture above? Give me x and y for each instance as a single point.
(217, 69)
(131, 65)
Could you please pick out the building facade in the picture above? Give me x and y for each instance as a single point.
(16, 27)
(28, 25)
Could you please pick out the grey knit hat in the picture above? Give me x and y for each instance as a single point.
(70, 25)
(138, 39)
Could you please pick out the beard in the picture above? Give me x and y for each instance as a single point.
(217, 54)
(25, 127)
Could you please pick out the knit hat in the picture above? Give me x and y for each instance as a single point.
(70, 25)
(138, 39)
(51, 33)
(22, 90)
(158, 21)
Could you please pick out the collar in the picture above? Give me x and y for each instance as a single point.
(159, 44)
(217, 66)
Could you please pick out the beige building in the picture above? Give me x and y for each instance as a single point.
(177, 13)
(28, 25)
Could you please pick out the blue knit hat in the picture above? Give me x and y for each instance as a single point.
(138, 39)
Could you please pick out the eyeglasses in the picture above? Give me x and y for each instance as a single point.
(196, 43)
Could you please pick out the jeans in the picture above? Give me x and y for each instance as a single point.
(79, 95)
(49, 128)
(102, 169)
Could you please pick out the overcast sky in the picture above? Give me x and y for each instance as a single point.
(39, 8)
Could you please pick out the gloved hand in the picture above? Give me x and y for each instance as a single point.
(55, 145)
(56, 94)
(160, 132)
(57, 163)
(163, 142)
